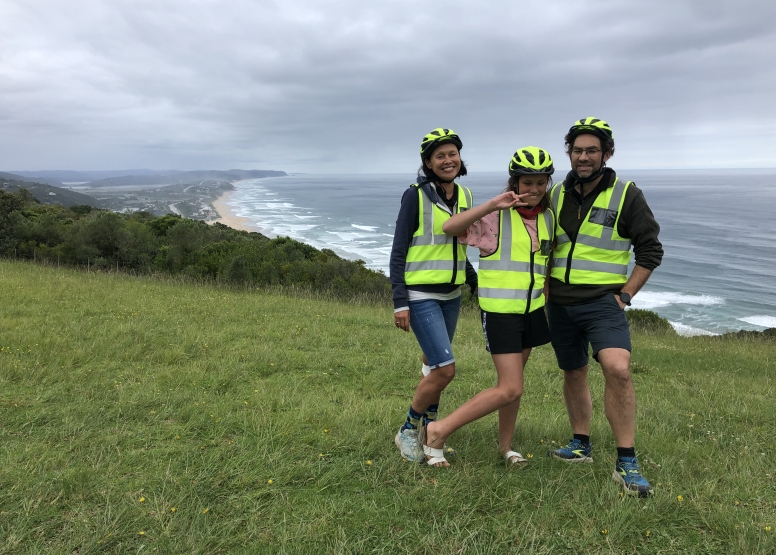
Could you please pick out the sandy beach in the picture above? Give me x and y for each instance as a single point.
(226, 216)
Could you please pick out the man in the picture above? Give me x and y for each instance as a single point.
(599, 217)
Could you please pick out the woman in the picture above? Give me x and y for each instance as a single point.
(514, 232)
(427, 270)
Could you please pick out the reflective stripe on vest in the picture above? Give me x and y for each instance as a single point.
(599, 255)
(508, 281)
(434, 257)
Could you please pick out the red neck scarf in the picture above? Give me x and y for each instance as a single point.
(529, 213)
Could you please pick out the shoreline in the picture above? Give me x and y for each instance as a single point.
(226, 217)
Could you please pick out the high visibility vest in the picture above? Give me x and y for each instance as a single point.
(433, 256)
(511, 280)
(598, 255)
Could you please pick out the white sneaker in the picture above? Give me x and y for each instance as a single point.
(407, 442)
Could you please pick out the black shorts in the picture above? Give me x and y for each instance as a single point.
(600, 323)
(511, 333)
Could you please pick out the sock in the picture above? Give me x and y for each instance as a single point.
(431, 414)
(413, 420)
(625, 452)
(584, 439)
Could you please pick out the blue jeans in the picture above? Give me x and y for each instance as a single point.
(433, 323)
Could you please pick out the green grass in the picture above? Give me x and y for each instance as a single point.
(134, 405)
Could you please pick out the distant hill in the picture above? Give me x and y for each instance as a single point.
(170, 178)
(48, 194)
(69, 176)
(18, 177)
(113, 178)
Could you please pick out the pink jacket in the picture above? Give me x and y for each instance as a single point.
(483, 234)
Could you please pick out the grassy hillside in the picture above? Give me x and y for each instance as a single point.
(140, 415)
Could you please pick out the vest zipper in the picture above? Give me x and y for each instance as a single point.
(454, 210)
(455, 260)
(533, 279)
(568, 261)
(573, 244)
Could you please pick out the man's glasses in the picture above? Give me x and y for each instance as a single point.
(589, 151)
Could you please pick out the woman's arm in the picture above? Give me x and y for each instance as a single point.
(406, 225)
(459, 223)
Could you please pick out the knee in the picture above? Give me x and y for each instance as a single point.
(510, 394)
(618, 375)
(444, 375)
(576, 377)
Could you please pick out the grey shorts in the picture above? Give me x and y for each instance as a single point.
(600, 323)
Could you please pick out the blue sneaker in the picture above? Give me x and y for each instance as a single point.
(574, 452)
(407, 442)
(628, 475)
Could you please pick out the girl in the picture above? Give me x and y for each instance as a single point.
(514, 232)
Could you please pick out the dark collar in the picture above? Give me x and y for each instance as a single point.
(607, 180)
(430, 189)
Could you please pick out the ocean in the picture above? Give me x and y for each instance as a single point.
(718, 230)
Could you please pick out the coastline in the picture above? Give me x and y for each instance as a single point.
(226, 217)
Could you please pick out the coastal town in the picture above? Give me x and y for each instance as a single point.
(191, 194)
(190, 200)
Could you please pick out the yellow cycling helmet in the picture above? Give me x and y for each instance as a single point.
(531, 160)
(591, 125)
(436, 138)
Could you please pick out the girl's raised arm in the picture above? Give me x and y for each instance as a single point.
(458, 223)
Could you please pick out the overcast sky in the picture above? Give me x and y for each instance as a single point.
(352, 86)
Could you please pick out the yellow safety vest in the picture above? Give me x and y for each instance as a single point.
(511, 280)
(598, 255)
(433, 256)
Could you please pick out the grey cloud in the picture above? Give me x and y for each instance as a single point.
(343, 86)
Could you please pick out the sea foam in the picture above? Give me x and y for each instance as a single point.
(650, 300)
(763, 321)
(689, 331)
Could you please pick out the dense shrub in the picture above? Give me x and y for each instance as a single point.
(238, 270)
(648, 321)
(143, 242)
(765, 335)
